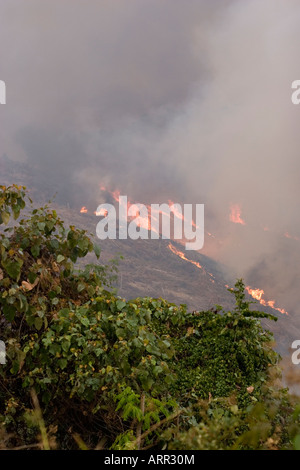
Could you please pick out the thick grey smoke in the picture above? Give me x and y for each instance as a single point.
(94, 86)
(186, 100)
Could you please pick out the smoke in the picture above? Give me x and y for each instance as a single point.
(93, 87)
(165, 100)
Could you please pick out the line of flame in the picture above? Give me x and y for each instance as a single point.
(235, 215)
(257, 294)
(182, 255)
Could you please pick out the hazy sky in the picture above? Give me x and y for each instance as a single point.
(188, 100)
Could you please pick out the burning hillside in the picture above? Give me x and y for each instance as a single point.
(257, 294)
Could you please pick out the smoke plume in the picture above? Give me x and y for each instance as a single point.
(182, 100)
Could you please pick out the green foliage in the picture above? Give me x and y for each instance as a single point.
(37, 269)
(12, 201)
(243, 305)
(220, 424)
(134, 374)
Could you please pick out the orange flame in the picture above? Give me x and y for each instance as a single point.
(143, 222)
(101, 212)
(293, 237)
(195, 263)
(257, 294)
(182, 256)
(83, 210)
(235, 215)
(116, 195)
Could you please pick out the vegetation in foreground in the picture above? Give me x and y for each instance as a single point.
(87, 369)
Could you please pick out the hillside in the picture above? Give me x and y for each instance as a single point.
(152, 267)
(130, 374)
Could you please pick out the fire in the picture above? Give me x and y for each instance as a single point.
(293, 237)
(195, 263)
(176, 212)
(257, 294)
(235, 215)
(182, 255)
(101, 212)
(116, 195)
(83, 210)
(143, 222)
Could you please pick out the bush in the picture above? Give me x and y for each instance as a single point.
(87, 368)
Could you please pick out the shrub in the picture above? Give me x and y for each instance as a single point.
(128, 374)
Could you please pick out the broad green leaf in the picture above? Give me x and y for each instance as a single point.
(5, 217)
(120, 304)
(38, 323)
